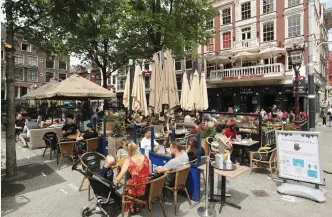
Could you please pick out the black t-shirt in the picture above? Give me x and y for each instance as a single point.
(90, 135)
(193, 156)
(107, 173)
(72, 127)
(20, 123)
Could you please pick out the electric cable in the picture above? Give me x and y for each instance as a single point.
(327, 172)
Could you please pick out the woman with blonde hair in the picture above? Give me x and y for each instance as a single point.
(138, 165)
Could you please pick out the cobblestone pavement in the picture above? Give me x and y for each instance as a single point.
(64, 199)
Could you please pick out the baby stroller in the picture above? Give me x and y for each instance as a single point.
(108, 199)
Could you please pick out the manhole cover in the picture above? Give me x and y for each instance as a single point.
(260, 193)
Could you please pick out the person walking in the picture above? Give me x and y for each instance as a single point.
(323, 116)
(329, 113)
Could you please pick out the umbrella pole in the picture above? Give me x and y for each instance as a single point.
(131, 79)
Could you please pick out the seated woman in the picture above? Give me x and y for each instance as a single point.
(192, 149)
(138, 166)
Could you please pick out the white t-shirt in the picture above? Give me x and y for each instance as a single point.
(187, 119)
(147, 143)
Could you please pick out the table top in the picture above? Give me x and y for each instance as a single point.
(73, 136)
(230, 174)
(214, 165)
(247, 143)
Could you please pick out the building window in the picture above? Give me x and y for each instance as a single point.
(268, 31)
(19, 74)
(179, 82)
(62, 76)
(23, 91)
(268, 61)
(121, 83)
(246, 10)
(62, 65)
(189, 64)
(210, 67)
(226, 16)
(3, 73)
(2, 55)
(32, 75)
(246, 33)
(50, 63)
(226, 40)
(177, 64)
(267, 6)
(292, 3)
(294, 26)
(209, 24)
(146, 66)
(210, 46)
(295, 58)
(19, 59)
(49, 76)
(26, 47)
(147, 81)
(32, 61)
(247, 64)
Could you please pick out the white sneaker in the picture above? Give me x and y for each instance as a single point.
(324, 125)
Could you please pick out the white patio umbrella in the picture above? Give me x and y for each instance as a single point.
(271, 52)
(204, 102)
(40, 90)
(194, 92)
(138, 92)
(219, 60)
(244, 56)
(185, 91)
(126, 93)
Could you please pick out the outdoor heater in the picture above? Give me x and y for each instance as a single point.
(296, 56)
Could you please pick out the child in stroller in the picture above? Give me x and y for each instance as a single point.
(108, 199)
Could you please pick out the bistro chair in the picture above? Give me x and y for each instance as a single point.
(94, 160)
(264, 155)
(152, 194)
(51, 141)
(92, 144)
(180, 184)
(66, 149)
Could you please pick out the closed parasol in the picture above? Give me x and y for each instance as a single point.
(194, 92)
(185, 91)
(138, 92)
(203, 99)
(126, 93)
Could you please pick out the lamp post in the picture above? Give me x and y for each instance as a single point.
(296, 62)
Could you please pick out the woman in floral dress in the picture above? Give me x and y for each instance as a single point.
(138, 166)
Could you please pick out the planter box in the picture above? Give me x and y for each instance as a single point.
(114, 143)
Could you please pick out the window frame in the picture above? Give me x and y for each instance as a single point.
(22, 70)
(248, 9)
(244, 32)
(28, 76)
(208, 23)
(226, 41)
(223, 18)
(46, 76)
(294, 3)
(185, 63)
(210, 45)
(2, 55)
(28, 58)
(47, 59)
(265, 33)
(3, 71)
(28, 46)
(63, 62)
(60, 73)
(297, 26)
(265, 9)
(21, 55)
(177, 61)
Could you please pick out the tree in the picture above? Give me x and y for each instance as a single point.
(21, 16)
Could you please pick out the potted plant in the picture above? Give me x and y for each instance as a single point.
(290, 127)
(115, 128)
(206, 132)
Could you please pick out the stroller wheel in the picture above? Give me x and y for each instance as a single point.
(85, 212)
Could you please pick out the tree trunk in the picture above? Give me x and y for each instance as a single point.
(11, 166)
(104, 73)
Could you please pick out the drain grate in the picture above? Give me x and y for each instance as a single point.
(260, 193)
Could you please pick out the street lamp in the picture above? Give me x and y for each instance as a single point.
(296, 55)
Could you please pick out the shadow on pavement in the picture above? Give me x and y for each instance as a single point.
(9, 205)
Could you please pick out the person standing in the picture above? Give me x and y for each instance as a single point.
(329, 113)
(323, 116)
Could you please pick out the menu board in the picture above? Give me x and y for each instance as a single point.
(299, 156)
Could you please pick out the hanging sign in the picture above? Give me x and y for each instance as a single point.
(302, 86)
(299, 156)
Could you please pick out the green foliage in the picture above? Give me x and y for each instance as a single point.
(290, 127)
(117, 121)
(208, 132)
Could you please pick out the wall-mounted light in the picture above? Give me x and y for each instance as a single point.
(257, 94)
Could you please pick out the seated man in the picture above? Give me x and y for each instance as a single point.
(25, 134)
(19, 124)
(70, 128)
(180, 159)
(90, 133)
(146, 141)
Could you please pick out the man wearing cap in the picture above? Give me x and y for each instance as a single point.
(230, 131)
(90, 133)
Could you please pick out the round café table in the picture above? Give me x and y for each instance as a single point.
(222, 201)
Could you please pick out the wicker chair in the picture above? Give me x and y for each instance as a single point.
(264, 155)
(92, 144)
(153, 192)
(66, 150)
(180, 184)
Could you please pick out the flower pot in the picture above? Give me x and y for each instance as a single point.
(114, 143)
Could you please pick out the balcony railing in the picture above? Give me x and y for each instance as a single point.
(250, 43)
(247, 72)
